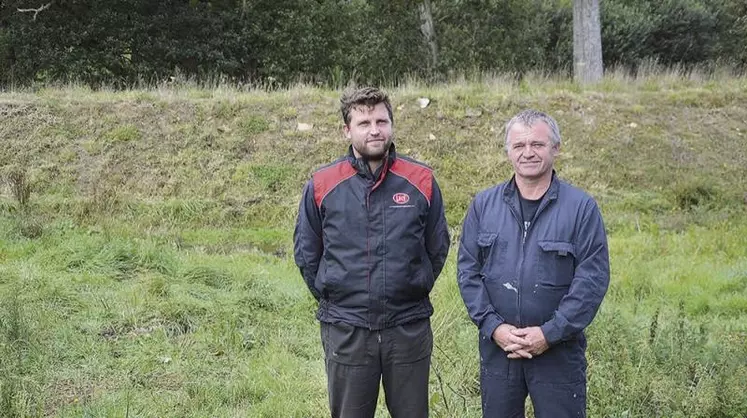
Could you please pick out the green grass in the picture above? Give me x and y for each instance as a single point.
(150, 271)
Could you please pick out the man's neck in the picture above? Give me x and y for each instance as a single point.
(533, 189)
(374, 165)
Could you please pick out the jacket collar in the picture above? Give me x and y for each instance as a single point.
(361, 164)
(511, 190)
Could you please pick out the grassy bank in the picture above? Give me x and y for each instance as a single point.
(146, 258)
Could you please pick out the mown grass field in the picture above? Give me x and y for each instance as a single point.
(146, 258)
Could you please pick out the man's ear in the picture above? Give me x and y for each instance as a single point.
(346, 130)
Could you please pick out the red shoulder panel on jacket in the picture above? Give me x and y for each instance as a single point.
(418, 175)
(326, 179)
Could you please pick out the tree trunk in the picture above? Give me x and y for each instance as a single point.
(587, 42)
(428, 31)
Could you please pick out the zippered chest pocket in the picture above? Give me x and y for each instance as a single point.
(492, 253)
(556, 263)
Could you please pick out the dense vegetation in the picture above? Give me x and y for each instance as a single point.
(129, 43)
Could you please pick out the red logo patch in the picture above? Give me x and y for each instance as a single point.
(401, 198)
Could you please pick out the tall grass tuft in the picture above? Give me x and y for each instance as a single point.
(20, 186)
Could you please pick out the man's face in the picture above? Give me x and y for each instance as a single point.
(531, 151)
(369, 131)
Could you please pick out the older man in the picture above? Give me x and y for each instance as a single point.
(533, 268)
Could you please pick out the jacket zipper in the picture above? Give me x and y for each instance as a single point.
(368, 255)
(376, 184)
(519, 269)
(524, 232)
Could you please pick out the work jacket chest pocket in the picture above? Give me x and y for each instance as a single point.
(556, 263)
(492, 253)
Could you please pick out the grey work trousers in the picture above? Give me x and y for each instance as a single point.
(555, 381)
(358, 359)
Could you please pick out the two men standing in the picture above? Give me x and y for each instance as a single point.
(371, 239)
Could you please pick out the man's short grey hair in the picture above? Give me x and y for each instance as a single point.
(529, 117)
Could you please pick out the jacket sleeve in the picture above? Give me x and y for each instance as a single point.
(307, 238)
(437, 239)
(590, 281)
(471, 285)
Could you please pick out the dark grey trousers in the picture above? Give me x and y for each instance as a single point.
(358, 359)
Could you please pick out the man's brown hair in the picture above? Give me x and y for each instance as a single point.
(363, 96)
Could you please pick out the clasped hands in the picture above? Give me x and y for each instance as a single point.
(520, 342)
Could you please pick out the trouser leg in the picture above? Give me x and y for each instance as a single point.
(561, 400)
(406, 361)
(557, 381)
(502, 384)
(353, 370)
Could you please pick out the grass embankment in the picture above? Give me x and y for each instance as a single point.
(146, 257)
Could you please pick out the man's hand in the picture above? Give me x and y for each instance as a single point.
(515, 345)
(535, 342)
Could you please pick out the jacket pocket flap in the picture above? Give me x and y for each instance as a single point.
(486, 239)
(563, 248)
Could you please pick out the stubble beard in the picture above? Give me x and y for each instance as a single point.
(375, 155)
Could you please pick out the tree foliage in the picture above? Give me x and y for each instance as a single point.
(125, 42)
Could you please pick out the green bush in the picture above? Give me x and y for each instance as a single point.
(685, 31)
(626, 32)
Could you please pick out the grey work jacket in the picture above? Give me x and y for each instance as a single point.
(553, 275)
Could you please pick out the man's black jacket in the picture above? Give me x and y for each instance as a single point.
(371, 245)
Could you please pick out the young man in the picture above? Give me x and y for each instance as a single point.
(370, 240)
(533, 267)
